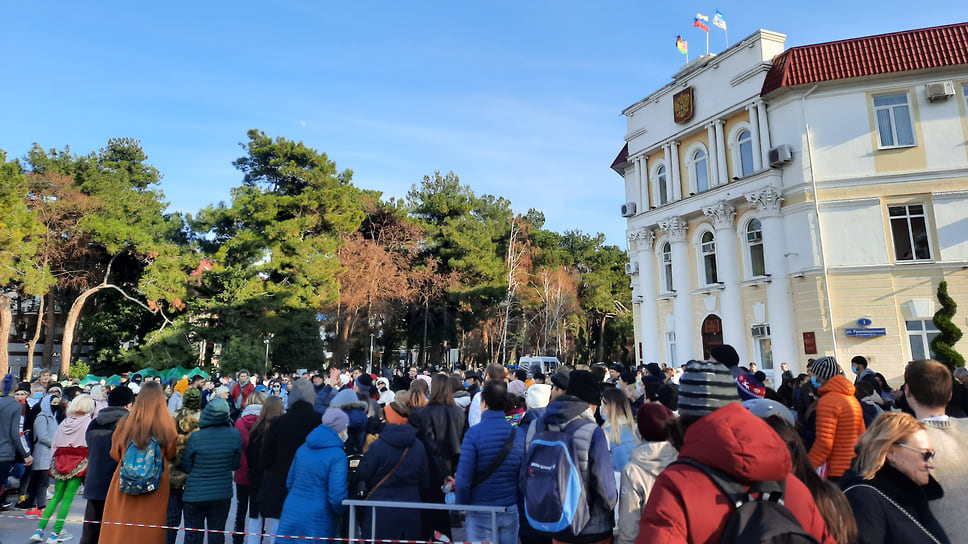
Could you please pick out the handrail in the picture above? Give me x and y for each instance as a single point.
(353, 503)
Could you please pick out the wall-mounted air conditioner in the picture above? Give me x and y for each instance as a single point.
(780, 155)
(760, 331)
(939, 90)
(632, 267)
(628, 209)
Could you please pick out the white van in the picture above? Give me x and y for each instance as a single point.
(544, 365)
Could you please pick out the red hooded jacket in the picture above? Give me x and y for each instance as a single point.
(686, 506)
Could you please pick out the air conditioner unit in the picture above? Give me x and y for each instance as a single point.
(780, 155)
(760, 331)
(939, 90)
(631, 268)
(628, 209)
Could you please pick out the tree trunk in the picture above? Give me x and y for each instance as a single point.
(67, 345)
(33, 341)
(48, 357)
(600, 351)
(6, 318)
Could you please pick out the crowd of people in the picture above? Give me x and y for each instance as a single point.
(652, 454)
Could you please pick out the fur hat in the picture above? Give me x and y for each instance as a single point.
(538, 395)
(704, 387)
(725, 354)
(336, 419)
(825, 368)
(651, 421)
(582, 384)
(120, 396)
(192, 399)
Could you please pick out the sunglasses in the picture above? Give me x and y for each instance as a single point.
(926, 454)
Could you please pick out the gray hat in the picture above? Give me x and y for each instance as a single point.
(560, 378)
(302, 391)
(336, 419)
(825, 368)
(764, 408)
(704, 387)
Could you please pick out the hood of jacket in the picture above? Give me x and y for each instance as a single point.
(251, 410)
(347, 400)
(302, 391)
(110, 415)
(837, 384)
(45, 406)
(565, 408)
(324, 437)
(653, 456)
(216, 412)
(738, 443)
(71, 432)
(398, 436)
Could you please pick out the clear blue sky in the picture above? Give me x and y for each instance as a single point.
(521, 99)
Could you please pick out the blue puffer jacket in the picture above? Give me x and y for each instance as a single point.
(482, 443)
(317, 488)
(212, 454)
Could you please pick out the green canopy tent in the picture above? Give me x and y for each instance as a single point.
(197, 371)
(90, 379)
(145, 372)
(114, 380)
(175, 373)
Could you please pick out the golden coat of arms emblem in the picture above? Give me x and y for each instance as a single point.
(682, 105)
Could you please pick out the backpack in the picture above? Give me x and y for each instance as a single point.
(756, 521)
(141, 468)
(555, 499)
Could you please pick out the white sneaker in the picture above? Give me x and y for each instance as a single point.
(38, 536)
(62, 536)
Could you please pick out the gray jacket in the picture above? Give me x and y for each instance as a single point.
(646, 461)
(44, 428)
(11, 419)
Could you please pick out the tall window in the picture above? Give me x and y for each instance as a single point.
(910, 231)
(743, 159)
(662, 181)
(894, 126)
(764, 347)
(667, 267)
(920, 334)
(754, 243)
(707, 248)
(671, 356)
(699, 170)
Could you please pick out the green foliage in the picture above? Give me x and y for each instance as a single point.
(19, 228)
(240, 352)
(943, 344)
(168, 348)
(78, 370)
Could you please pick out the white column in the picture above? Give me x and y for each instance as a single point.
(727, 266)
(642, 169)
(714, 178)
(755, 138)
(675, 227)
(674, 172)
(764, 131)
(721, 153)
(779, 293)
(648, 314)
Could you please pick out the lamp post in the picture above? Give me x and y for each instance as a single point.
(267, 339)
(369, 367)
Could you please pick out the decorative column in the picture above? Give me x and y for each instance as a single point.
(675, 227)
(755, 138)
(674, 171)
(731, 303)
(721, 152)
(764, 131)
(643, 178)
(779, 293)
(714, 178)
(648, 313)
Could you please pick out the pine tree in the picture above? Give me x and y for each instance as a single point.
(950, 333)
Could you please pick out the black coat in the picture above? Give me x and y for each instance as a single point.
(441, 429)
(285, 435)
(403, 484)
(100, 464)
(880, 520)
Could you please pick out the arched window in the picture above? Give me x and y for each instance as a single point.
(662, 185)
(699, 170)
(707, 249)
(666, 255)
(743, 157)
(754, 246)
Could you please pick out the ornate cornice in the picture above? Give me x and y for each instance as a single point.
(675, 227)
(722, 214)
(643, 238)
(766, 200)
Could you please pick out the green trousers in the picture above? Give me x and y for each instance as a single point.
(64, 491)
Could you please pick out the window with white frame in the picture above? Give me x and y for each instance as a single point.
(909, 228)
(707, 255)
(920, 334)
(743, 154)
(764, 347)
(894, 125)
(662, 185)
(754, 248)
(670, 341)
(665, 254)
(698, 164)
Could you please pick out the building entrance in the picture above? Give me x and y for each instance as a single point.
(712, 334)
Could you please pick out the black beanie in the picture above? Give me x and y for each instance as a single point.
(582, 384)
(725, 354)
(120, 396)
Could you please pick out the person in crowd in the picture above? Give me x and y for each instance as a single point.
(44, 428)
(493, 372)
(394, 468)
(440, 427)
(831, 502)
(100, 464)
(840, 419)
(515, 405)
(626, 383)
(349, 402)
(726, 355)
(277, 389)
(11, 443)
(646, 462)
(271, 409)
(253, 407)
(240, 390)
(386, 394)
(279, 445)
(68, 467)
(177, 397)
(859, 366)
(619, 428)
(487, 473)
(785, 373)
(212, 454)
(472, 382)
(417, 394)
(890, 484)
(186, 423)
(685, 505)
(580, 400)
(317, 482)
(148, 418)
(870, 401)
(928, 388)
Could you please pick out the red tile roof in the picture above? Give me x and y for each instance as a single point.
(883, 54)
(621, 159)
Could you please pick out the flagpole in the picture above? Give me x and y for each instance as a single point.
(727, 37)
(707, 42)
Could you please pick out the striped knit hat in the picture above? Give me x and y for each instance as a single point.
(704, 387)
(825, 368)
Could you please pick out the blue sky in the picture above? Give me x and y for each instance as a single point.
(521, 99)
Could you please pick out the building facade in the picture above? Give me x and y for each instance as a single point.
(802, 202)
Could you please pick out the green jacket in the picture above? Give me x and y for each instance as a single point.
(213, 453)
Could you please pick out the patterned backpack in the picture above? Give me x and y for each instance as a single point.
(141, 468)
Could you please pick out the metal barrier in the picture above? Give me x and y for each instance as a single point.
(494, 510)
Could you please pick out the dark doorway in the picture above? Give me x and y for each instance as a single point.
(712, 333)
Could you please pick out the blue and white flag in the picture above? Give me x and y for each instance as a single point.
(718, 20)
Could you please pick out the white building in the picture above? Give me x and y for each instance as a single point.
(801, 203)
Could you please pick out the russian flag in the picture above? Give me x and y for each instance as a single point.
(700, 21)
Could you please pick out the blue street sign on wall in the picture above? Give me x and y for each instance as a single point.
(866, 333)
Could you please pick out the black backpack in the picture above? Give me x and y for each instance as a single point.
(763, 520)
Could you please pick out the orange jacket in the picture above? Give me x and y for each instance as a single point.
(840, 422)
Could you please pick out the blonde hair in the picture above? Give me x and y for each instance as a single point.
(255, 397)
(82, 405)
(619, 414)
(888, 429)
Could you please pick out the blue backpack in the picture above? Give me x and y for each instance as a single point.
(554, 493)
(141, 468)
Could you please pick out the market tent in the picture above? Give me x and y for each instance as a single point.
(197, 371)
(89, 379)
(145, 372)
(114, 379)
